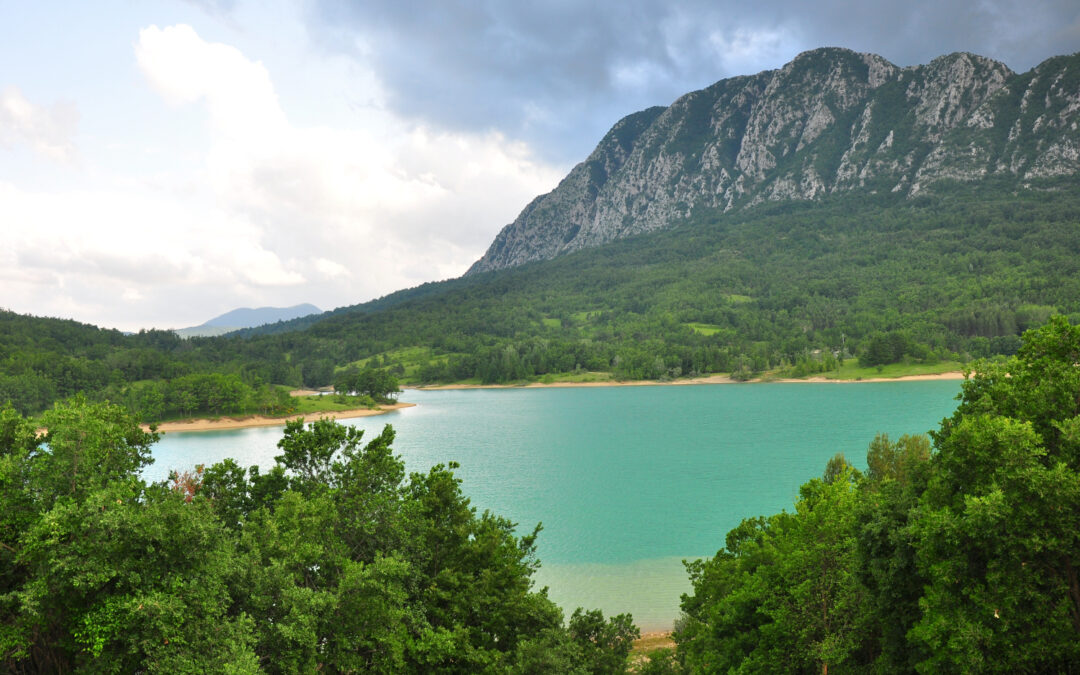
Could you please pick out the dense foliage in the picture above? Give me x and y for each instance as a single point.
(955, 275)
(380, 385)
(962, 556)
(331, 561)
(963, 559)
(796, 287)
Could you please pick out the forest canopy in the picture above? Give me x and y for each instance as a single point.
(954, 553)
(959, 558)
(332, 560)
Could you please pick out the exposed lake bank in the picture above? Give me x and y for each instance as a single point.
(247, 421)
(250, 421)
(708, 379)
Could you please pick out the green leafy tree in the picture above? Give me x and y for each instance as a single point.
(783, 595)
(331, 560)
(107, 575)
(19, 442)
(88, 445)
(818, 606)
(605, 645)
(896, 477)
(962, 559)
(126, 580)
(896, 461)
(379, 384)
(999, 524)
(723, 626)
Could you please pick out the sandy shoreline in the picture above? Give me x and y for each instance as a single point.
(709, 379)
(951, 375)
(263, 421)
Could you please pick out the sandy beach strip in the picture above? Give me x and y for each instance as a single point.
(222, 423)
(951, 375)
(707, 379)
(247, 421)
(711, 379)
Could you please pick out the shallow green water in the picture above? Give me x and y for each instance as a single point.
(628, 481)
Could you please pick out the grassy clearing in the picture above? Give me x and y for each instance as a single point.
(550, 322)
(852, 371)
(588, 376)
(584, 317)
(704, 328)
(406, 356)
(411, 360)
(737, 299)
(305, 405)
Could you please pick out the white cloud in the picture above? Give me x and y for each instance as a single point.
(375, 207)
(274, 212)
(47, 131)
(131, 240)
(330, 269)
(238, 93)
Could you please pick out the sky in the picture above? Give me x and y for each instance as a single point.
(165, 161)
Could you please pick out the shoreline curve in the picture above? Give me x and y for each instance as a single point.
(250, 421)
(709, 379)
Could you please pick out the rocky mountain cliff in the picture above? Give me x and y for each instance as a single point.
(831, 121)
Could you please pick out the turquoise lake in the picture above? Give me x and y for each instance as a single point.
(627, 481)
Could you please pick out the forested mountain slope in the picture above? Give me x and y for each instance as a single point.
(838, 207)
(955, 274)
(795, 286)
(830, 122)
(961, 271)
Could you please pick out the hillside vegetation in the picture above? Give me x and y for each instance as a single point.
(956, 557)
(791, 288)
(331, 560)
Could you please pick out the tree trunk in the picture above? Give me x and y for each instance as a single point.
(1074, 592)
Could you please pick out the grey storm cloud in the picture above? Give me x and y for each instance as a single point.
(558, 74)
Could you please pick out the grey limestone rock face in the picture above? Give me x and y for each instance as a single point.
(831, 121)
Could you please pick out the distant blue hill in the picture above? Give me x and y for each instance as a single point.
(245, 317)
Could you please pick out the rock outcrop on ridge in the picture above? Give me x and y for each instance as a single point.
(831, 121)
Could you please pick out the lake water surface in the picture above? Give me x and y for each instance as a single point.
(627, 481)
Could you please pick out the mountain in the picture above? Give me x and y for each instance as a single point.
(785, 287)
(246, 317)
(929, 215)
(831, 122)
